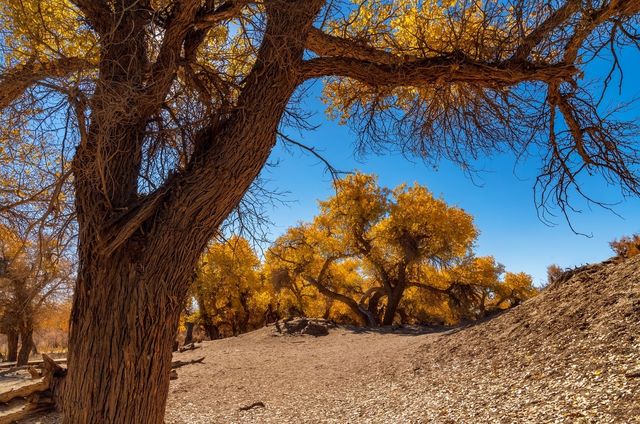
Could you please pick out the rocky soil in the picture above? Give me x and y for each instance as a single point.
(570, 355)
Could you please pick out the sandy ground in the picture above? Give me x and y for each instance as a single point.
(342, 377)
(570, 355)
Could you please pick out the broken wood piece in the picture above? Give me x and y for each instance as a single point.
(253, 405)
(35, 362)
(51, 368)
(30, 397)
(633, 374)
(23, 389)
(178, 364)
(173, 375)
(20, 409)
(35, 374)
(190, 346)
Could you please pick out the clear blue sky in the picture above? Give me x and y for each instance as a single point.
(503, 204)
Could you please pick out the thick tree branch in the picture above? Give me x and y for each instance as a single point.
(591, 20)
(227, 10)
(556, 19)
(363, 314)
(370, 292)
(14, 82)
(327, 45)
(97, 13)
(436, 69)
(429, 288)
(166, 65)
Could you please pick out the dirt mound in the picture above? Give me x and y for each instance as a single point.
(570, 354)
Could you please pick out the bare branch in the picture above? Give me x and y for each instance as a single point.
(15, 81)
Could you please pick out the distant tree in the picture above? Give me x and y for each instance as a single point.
(626, 246)
(32, 274)
(554, 272)
(228, 290)
(370, 244)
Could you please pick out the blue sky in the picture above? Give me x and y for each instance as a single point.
(500, 198)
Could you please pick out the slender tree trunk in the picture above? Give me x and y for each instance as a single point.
(246, 312)
(207, 323)
(188, 337)
(374, 306)
(26, 344)
(12, 345)
(327, 311)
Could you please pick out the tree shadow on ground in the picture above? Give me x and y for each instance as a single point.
(419, 330)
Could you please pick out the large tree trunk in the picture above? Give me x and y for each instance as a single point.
(12, 345)
(123, 325)
(393, 300)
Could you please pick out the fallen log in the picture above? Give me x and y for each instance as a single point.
(178, 364)
(23, 389)
(21, 409)
(30, 397)
(34, 362)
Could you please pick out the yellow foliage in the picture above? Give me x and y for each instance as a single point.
(39, 29)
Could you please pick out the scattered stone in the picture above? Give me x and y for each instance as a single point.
(300, 326)
(315, 329)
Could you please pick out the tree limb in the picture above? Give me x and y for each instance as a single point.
(227, 10)
(436, 69)
(327, 45)
(97, 13)
(15, 81)
(545, 28)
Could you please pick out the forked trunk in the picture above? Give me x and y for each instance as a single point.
(133, 278)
